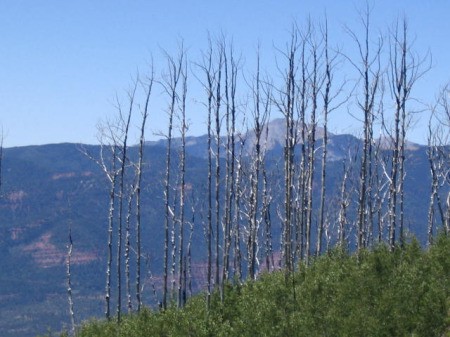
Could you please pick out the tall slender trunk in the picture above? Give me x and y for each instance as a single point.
(315, 87)
(112, 193)
(217, 118)
(342, 218)
(170, 87)
(237, 254)
(131, 194)
(181, 258)
(123, 160)
(69, 283)
(207, 68)
(139, 169)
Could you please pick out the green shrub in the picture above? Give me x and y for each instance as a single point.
(374, 293)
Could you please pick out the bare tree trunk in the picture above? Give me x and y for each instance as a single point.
(344, 203)
(260, 114)
(286, 105)
(370, 74)
(131, 192)
(139, 169)
(315, 88)
(378, 195)
(189, 251)
(266, 206)
(112, 193)
(229, 186)
(434, 188)
(302, 195)
(217, 118)
(327, 100)
(405, 69)
(441, 160)
(181, 258)
(123, 159)
(210, 79)
(237, 254)
(231, 72)
(447, 218)
(69, 283)
(170, 86)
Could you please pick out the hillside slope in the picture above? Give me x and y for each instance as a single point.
(47, 189)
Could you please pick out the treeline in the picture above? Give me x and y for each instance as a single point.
(241, 202)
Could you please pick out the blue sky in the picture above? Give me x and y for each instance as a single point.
(63, 62)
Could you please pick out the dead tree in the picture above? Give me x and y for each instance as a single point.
(181, 299)
(231, 73)
(208, 70)
(302, 128)
(131, 190)
(236, 231)
(326, 104)
(344, 204)
(170, 85)
(315, 83)
(435, 170)
(267, 218)
(218, 141)
(108, 163)
(404, 70)
(123, 158)
(327, 100)
(260, 114)
(439, 160)
(285, 103)
(369, 69)
(139, 168)
(69, 282)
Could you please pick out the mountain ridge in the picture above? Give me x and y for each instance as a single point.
(48, 189)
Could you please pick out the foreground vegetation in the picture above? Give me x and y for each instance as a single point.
(374, 293)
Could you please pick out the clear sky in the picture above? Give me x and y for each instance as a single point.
(62, 62)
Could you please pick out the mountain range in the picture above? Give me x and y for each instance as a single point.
(52, 189)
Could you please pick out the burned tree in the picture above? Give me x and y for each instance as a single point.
(369, 69)
(405, 69)
(170, 85)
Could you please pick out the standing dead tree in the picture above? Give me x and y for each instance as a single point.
(369, 69)
(208, 70)
(260, 114)
(439, 159)
(108, 163)
(315, 82)
(237, 211)
(436, 163)
(285, 103)
(218, 142)
(139, 168)
(170, 84)
(328, 106)
(69, 282)
(112, 160)
(130, 192)
(181, 298)
(301, 198)
(231, 66)
(405, 69)
(123, 130)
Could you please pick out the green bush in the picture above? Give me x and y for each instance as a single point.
(374, 293)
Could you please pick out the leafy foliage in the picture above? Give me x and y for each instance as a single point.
(373, 293)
